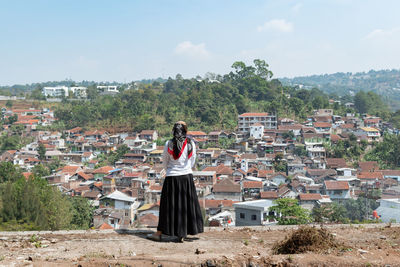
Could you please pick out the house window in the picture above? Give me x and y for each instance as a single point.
(242, 216)
(253, 217)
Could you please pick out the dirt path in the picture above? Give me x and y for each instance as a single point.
(370, 245)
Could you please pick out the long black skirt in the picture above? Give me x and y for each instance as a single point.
(180, 212)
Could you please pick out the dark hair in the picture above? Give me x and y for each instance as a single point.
(179, 126)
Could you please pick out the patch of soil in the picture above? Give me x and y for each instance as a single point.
(305, 239)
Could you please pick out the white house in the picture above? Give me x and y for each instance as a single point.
(121, 203)
(257, 130)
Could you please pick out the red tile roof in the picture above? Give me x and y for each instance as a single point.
(196, 133)
(214, 203)
(269, 195)
(253, 114)
(337, 185)
(226, 185)
(104, 170)
(309, 196)
(70, 169)
(370, 175)
(323, 124)
(368, 166)
(252, 184)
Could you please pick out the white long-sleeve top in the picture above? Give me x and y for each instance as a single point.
(181, 166)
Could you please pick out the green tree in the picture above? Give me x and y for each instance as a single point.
(82, 213)
(291, 212)
(42, 152)
(9, 172)
(9, 104)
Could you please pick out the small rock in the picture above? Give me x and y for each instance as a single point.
(133, 253)
(199, 251)
(382, 237)
(362, 251)
(30, 258)
(210, 263)
(53, 241)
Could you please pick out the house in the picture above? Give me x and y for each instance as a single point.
(257, 131)
(149, 208)
(122, 204)
(149, 135)
(227, 189)
(215, 206)
(394, 174)
(322, 127)
(205, 177)
(148, 220)
(101, 172)
(272, 195)
(371, 134)
(337, 190)
(251, 213)
(368, 166)
(372, 122)
(251, 189)
(371, 178)
(334, 163)
(309, 200)
(279, 178)
(197, 136)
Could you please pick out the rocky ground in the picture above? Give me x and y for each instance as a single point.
(362, 245)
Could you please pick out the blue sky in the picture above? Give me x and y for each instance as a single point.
(121, 40)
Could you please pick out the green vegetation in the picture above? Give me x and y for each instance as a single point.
(205, 105)
(34, 205)
(387, 152)
(291, 212)
(348, 148)
(351, 210)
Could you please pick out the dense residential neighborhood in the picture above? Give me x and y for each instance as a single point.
(238, 175)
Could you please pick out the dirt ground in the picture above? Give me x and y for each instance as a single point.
(363, 245)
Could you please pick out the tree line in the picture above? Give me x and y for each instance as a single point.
(32, 204)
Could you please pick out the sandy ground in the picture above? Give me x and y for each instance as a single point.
(367, 245)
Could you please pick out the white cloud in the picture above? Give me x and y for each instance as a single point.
(191, 50)
(296, 8)
(379, 33)
(279, 25)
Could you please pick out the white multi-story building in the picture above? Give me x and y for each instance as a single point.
(108, 88)
(245, 120)
(60, 91)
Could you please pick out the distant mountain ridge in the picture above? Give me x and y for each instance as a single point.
(385, 83)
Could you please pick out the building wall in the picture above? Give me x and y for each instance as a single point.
(248, 220)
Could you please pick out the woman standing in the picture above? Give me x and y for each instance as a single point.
(180, 212)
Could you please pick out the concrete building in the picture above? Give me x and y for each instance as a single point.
(253, 212)
(246, 120)
(60, 91)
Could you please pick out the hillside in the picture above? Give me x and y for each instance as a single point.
(385, 83)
